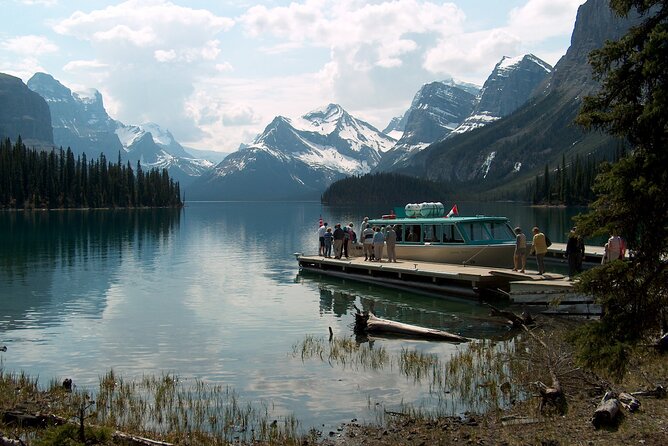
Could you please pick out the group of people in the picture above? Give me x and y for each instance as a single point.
(342, 239)
(539, 245)
(376, 239)
(614, 249)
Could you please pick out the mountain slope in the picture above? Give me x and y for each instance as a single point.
(437, 109)
(539, 133)
(23, 113)
(296, 159)
(511, 84)
(81, 122)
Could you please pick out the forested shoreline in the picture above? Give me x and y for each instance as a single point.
(55, 179)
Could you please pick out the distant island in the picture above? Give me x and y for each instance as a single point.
(54, 179)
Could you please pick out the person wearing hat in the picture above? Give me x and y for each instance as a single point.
(520, 257)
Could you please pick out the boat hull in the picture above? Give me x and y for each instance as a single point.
(500, 255)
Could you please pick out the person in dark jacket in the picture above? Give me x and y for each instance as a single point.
(339, 235)
(574, 253)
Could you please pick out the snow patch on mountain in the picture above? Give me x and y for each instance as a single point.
(487, 164)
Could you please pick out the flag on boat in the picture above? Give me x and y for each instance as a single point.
(452, 212)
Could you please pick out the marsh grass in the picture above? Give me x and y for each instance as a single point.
(160, 407)
(343, 352)
(177, 409)
(469, 380)
(192, 411)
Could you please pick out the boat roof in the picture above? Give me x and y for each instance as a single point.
(435, 220)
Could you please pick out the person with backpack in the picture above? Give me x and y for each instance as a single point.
(539, 247)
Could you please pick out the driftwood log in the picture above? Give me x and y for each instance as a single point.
(367, 323)
(607, 411)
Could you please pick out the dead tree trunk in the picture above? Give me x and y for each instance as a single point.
(607, 410)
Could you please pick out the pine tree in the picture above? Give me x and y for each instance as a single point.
(631, 196)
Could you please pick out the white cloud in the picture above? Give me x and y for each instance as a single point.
(154, 52)
(31, 44)
(40, 2)
(84, 65)
(541, 19)
(22, 68)
(211, 83)
(471, 56)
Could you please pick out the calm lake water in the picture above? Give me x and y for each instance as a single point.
(213, 292)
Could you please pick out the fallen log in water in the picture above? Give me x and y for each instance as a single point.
(366, 322)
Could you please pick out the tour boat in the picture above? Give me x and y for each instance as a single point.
(425, 233)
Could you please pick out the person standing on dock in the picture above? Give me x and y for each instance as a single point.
(328, 242)
(391, 241)
(338, 240)
(367, 237)
(614, 249)
(573, 253)
(539, 247)
(378, 244)
(520, 257)
(321, 238)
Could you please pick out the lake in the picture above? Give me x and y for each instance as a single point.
(213, 292)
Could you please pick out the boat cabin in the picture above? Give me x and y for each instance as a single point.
(478, 230)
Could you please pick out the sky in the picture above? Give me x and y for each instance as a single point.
(216, 72)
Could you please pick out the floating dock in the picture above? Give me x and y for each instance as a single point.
(554, 296)
(426, 277)
(547, 293)
(592, 254)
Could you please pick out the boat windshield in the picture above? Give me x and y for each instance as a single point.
(482, 231)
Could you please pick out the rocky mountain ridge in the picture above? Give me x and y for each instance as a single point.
(81, 122)
(24, 113)
(296, 158)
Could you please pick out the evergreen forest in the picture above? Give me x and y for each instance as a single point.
(55, 179)
(371, 189)
(570, 183)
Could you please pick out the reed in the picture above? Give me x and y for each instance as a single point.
(469, 380)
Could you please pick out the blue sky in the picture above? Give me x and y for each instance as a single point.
(216, 72)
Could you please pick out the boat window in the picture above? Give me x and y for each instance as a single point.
(431, 233)
(398, 230)
(475, 231)
(412, 233)
(451, 234)
(500, 230)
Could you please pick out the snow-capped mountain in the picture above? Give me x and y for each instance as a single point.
(155, 147)
(510, 85)
(81, 122)
(437, 109)
(296, 158)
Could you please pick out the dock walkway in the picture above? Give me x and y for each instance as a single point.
(433, 278)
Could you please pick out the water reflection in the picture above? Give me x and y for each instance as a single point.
(211, 293)
(52, 262)
(463, 316)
